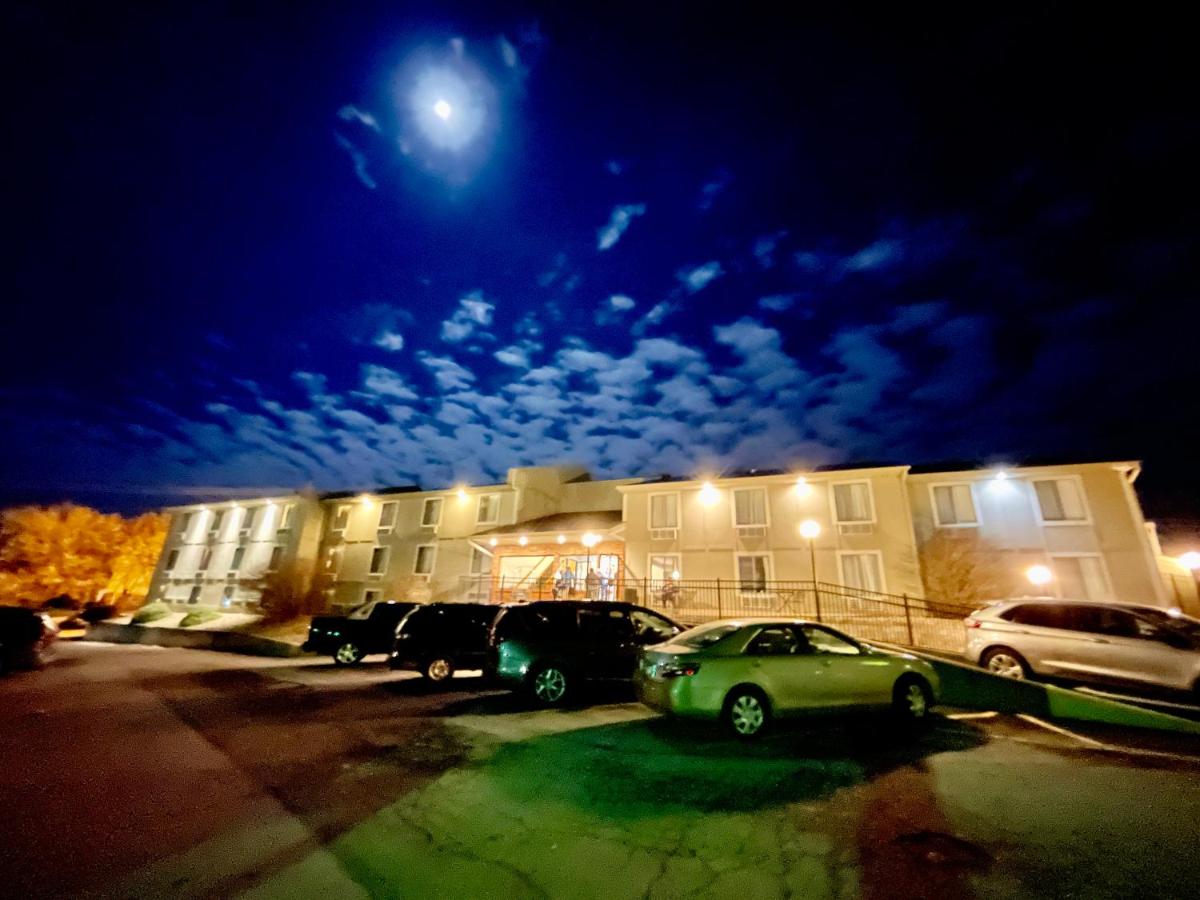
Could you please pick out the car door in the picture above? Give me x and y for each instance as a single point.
(846, 675)
(1048, 636)
(779, 660)
(379, 632)
(470, 639)
(608, 642)
(1127, 648)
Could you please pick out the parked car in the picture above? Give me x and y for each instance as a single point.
(437, 639)
(371, 628)
(748, 672)
(1112, 643)
(25, 636)
(550, 648)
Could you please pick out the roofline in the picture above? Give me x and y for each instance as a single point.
(819, 475)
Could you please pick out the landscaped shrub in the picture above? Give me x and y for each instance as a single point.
(198, 617)
(151, 612)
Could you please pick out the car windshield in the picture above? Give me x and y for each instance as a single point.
(1161, 617)
(704, 635)
(361, 612)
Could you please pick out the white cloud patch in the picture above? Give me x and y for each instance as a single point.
(391, 341)
(351, 113)
(448, 374)
(621, 303)
(359, 159)
(473, 314)
(697, 278)
(777, 302)
(618, 223)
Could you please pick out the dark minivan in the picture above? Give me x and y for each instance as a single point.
(437, 639)
(551, 647)
(371, 628)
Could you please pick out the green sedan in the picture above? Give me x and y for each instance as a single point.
(749, 671)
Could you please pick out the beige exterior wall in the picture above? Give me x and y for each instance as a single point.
(708, 543)
(1010, 519)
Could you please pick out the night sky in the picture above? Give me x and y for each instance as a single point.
(650, 238)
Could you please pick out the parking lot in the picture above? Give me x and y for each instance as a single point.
(139, 771)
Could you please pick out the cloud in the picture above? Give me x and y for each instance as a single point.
(359, 160)
(621, 303)
(618, 222)
(699, 277)
(508, 53)
(764, 248)
(613, 309)
(517, 355)
(711, 190)
(391, 341)
(880, 254)
(777, 302)
(448, 374)
(472, 314)
(351, 113)
(380, 381)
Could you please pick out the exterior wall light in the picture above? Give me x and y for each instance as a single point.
(810, 529)
(803, 488)
(590, 540)
(708, 494)
(462, 495)
(1039, 575)
(1190, 560)
(492, 542)
(562, 538)
(522, 540)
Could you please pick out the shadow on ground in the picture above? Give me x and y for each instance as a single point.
(658, 765)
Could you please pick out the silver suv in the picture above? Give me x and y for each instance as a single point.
(1110, 642)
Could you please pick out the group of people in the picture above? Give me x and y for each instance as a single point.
(597, 585)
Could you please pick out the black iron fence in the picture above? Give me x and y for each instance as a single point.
(870, 615)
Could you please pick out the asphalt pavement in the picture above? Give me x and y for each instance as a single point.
(136, 771)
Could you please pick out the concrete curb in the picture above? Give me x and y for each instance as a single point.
(968, 687)
(223, 641)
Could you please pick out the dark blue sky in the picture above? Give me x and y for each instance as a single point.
(681, 237)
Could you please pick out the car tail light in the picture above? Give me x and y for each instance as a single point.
(972, 623)
(680, 670)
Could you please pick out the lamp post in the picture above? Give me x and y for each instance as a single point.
(810, 530)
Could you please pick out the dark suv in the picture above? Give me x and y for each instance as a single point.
(371, 628)
(549, 648)
(441, 637)
(24, 637)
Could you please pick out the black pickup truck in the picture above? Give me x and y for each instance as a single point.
(369, 629)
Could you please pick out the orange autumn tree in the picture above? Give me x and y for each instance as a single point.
(75, 550)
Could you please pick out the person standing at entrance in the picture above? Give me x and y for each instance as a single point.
(592, 582)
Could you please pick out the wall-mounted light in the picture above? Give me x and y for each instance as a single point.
(1039, 575)
(364, 500)
(590, 540)
(675, 575)
(462, 495)
(803, 488)
(522, 540)
(810, 529)
(562, 538)
(708, 494)
(492, 542)
(1190, 560)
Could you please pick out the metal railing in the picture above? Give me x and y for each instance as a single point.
(870, 615)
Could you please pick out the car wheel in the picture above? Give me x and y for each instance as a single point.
(438, 669)
(348, 654)
(747, 713)
(549, 685)
(912, 698)
(1005, 662)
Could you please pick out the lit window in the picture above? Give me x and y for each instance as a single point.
(431, 513)
(379, 560)
(285, 518)
(387, 516)
(954, 505)
(664, 511)
(754, 571)
(227, 598)
(749, 507)
(861, 571)
(423, 564)
(852, 502)
(1060, 500)
(489, 509)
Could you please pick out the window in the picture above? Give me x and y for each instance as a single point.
(489, 509)
(379, 560)
(194, 595)
(777, 640)
(1041, 615)
(215, 528)
(1060, 500)
(852, 502)
(172, 559)
(341, 518)
(649, 628)
(186, 523)
(753, 572)
(862, 571)
(481, 562)
(423, 564)
(285, 518)
(387, 515)
(663, 568)
(238, 554)
(822, 640)
(276, 558)
(205, 559)
(749, 507)
(333, 559)
(1110, 622)
(604, 625)
(227, 598)
(247, 520)
(953, 505)
(1081, 577)
(664, 510)
(431, 513)
(371, 595)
